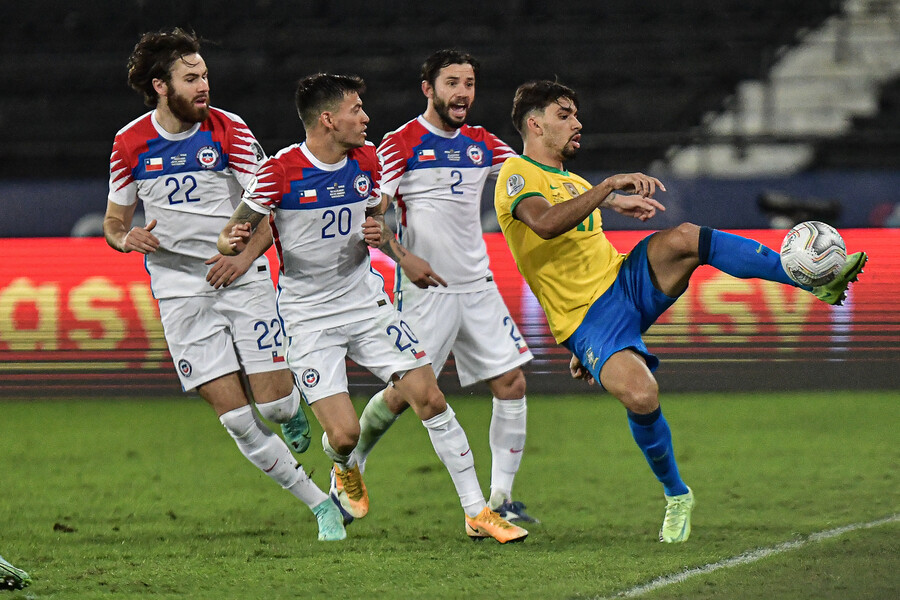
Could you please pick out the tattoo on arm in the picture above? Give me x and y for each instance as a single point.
(245, 214)
(389, 244)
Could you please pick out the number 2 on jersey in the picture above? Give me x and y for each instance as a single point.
(265, 341)
(342, 219)
(174, 196)
(456, 182)
(398, 334)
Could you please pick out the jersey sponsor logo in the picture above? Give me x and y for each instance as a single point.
(153, 164)
(208, 157)
(179, 160)
(310, 378)
(362, 184)
(424, 155)
(571, 188)
(185, 368)
(452, 155)
(475, 154)
(516, 450)
(514, 185)
(306, 196)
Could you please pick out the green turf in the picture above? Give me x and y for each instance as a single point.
(126, 499)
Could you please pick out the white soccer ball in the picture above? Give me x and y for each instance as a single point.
(813, 253)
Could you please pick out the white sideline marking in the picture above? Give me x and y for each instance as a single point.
(751, 557)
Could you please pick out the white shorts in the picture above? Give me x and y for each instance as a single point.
(216, 334)
(384, 345)
(475, 326)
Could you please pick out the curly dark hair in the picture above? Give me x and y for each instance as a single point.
(324, 91)
(153, 57)
(444, 58)
(538, 95)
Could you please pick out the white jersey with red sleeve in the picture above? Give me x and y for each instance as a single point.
(326, 278)
(190, 182)
(436, 178)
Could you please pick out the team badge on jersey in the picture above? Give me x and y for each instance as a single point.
(185, 368)
(362, 184)
(571, 188)
(208, 156)
(514, 185)
(475, 154)
(310, 378)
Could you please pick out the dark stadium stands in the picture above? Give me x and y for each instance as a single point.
(872, 143)
(647, 71)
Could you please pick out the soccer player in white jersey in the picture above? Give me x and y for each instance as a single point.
(188, 163)
(324, 195)
(435, 167)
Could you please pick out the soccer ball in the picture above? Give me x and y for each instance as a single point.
(813, 253)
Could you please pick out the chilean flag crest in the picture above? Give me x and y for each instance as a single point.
(425, 155)
(153, 164)
(306, 196)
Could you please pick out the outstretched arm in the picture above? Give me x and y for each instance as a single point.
(379, 235)
(551, 220)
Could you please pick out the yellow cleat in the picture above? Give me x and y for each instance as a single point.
(490, 524)
(676, 527)
(349, 489)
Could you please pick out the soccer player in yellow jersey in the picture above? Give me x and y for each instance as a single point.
(598, 302)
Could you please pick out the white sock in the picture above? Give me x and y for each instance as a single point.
(375, 420)
(281, 410)
(507, 437)
(452, 447)
(268, 452)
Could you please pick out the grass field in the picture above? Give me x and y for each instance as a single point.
(150, 498)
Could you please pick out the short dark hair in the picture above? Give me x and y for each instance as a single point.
(153, 57)
(324, 91)
(444, 58)
(538, 95)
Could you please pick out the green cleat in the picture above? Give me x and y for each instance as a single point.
(331, 524)
(835, 292)
(12, 578)
(676, 527)
(296, 431)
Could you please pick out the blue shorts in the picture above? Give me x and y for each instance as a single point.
(618, 318)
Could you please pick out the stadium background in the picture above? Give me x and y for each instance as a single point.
(755, 115)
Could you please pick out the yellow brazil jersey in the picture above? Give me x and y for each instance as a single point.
(566, 273)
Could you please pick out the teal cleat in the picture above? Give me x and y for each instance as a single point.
(835, 292)
(676, 527)
(12, 578)
(331, 524)
(296, 431)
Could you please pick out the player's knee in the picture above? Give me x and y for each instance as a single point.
(344, 440)
(642, 399)
(681, 241)
(509, 386)
(428, 401)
